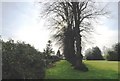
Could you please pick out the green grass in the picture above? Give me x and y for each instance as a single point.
(97, 70)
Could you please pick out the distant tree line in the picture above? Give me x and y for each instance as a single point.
(96, 54)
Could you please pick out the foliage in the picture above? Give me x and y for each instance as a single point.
(113, 55)
(88, 54)
(97, 70)
(58, 53)
(48, 50)
(48, 54)
(93, 54)
(54, 58)
(21, 61)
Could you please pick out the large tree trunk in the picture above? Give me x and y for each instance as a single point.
(79, 64)
(69, 51)
(72, 34)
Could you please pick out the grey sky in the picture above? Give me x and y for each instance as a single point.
(21, 21)
(119, 21)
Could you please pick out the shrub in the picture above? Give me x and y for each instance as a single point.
(88, 54)
(21, 61)
(54, 58)
(113, 54)
(93, 54)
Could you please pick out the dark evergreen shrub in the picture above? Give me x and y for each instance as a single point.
(21, 61)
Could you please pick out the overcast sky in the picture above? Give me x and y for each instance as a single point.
(21, 21)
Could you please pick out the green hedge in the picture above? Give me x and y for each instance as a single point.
(21, 61)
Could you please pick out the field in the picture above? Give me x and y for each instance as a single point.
(97, 70)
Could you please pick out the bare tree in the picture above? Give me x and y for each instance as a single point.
(71, 21)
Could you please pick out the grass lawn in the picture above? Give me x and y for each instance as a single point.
(97, 70)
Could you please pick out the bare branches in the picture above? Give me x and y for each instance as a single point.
(83, 5)
(68, 14)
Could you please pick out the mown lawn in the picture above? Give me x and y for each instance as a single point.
(97, 70)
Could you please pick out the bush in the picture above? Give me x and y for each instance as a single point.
(21, 61)
(88, 54)
(93, 54)
(49, 55)
(112, 56)
(54, 58)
